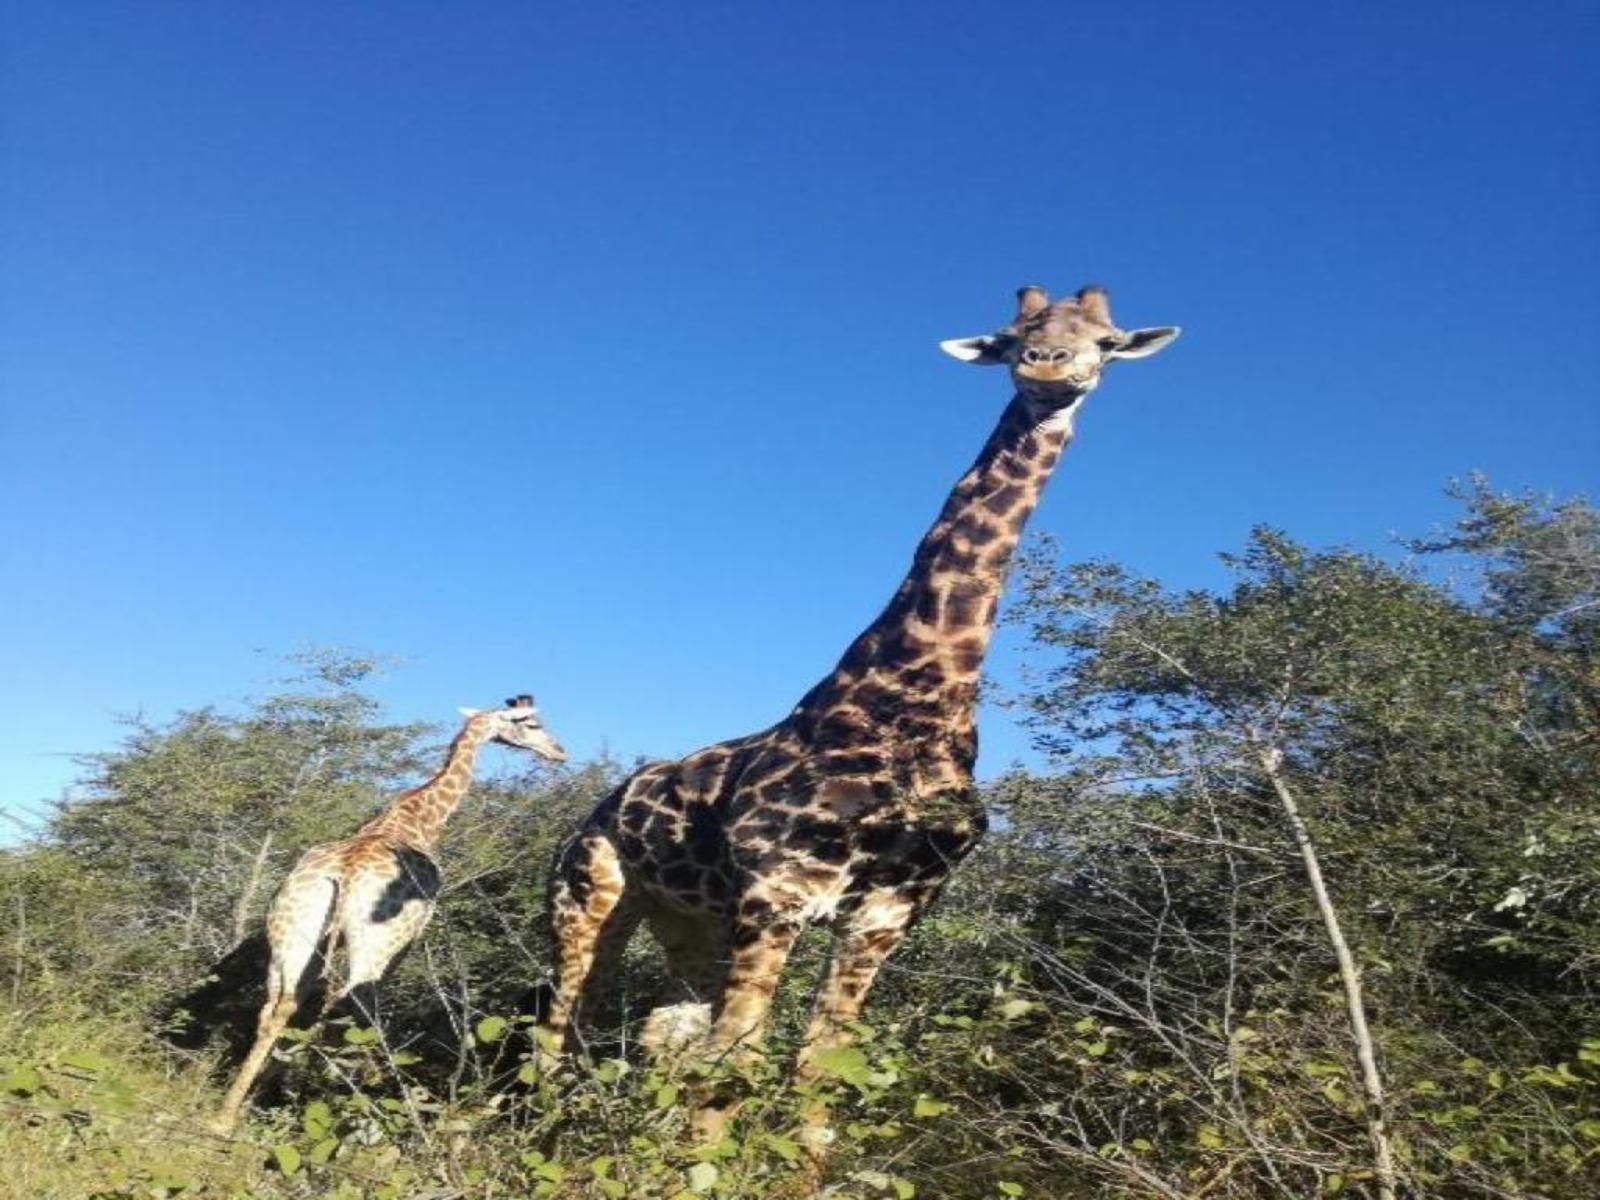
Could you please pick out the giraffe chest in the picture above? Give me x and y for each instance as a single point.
(823, 828)
(851, 839)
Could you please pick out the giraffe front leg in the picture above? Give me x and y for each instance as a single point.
(759, 952)
(755, 964)
(866, 938)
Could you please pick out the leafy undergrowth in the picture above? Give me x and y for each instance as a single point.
(96, 1108)
(1009, 1099)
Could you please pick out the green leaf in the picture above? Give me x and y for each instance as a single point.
(490, 1029)
(666, 1095)
(927, 1106)
(358, 1035)
(1589, 1129)
(86, 1060)
(323, 1150)
(784, 1148)
(1009, 1188)
(904, 1188)
(24, 1081)
(611, 1070)
(317, 1119)
(846, 1062)
(701, 1177)
(288, 1159)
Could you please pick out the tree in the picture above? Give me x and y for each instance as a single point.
(1426, 743)
(177, 837)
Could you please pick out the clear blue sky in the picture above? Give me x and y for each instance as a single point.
(590, 349)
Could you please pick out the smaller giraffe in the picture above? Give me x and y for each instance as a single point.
(373, 892)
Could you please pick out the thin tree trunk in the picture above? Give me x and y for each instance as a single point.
(1271, 760)
(242, 906)
(22, 951)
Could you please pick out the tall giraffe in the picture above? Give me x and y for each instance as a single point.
(855, 808)
(373, 892)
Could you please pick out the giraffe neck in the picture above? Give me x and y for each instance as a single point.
(418, 816)
(916, 667)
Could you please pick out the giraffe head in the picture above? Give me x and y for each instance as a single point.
(1056, 350)
(518, 725)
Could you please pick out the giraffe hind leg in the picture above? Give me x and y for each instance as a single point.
(383, 912)
(591, 921)
(295, 929)
(601, 1003)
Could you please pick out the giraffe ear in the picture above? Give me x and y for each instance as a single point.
(1141, 343)
(985, 351)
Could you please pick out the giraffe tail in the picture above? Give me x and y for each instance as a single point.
(330, 940)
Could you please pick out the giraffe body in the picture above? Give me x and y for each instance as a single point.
(856, 807)
(367, 897)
